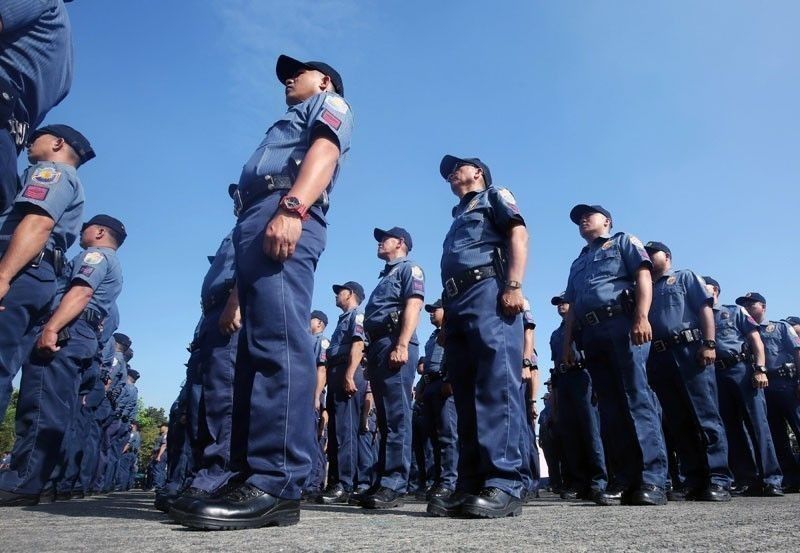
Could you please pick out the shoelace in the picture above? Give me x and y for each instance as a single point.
(489, 492)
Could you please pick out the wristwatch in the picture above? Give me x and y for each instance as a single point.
(710, 344)
(759, 368)
(513, 284)
(294, 205)
(527, 363)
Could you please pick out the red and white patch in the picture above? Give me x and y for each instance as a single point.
(34, 192)
(331, 120)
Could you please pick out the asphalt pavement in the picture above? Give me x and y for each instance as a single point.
(127, 522)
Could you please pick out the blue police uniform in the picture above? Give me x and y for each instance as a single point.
(127, 462)
(216, 364)
(123, 412)
(184, 446)
(420, 472)
(603, 270)
(783, 406)
(275, 376)
(344, 411)
(551, 445)
(49, 387)
(401, 280)
(35, 75)
(742, 406)
(317, 477)
(530, 470)
(158, 466)
(483, 346)
(368, 441)
(440, 416)
(55, 189)
(578, 421)
(687, 390)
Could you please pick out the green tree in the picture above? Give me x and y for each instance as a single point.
(7, 435)
(150, 418)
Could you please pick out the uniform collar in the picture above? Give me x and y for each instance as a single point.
(390, 264)
(597, 241)
(346, 313)
(670, 272)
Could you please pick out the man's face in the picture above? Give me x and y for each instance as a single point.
(437, 317)
(563, 309)
(463, 174)
(660, 261)
(342, 297)
(756, 309)
(388, 246)
(592, 223)
(711, 289)
(87, 236)
(796, 328)
(303, 85)
(316, 326)
(39, 148)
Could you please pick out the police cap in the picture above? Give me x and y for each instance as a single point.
(122, 339)
(581, 209)
(394, 232)
(750, 297)
(713, 282)
(316, 314)
(133, 373)
(109, 222)
(76, 140)
(287, 67)
(792, 320)
(351, 285)
(657, 247)
(431, 307)
(559, 299)
(449, 164)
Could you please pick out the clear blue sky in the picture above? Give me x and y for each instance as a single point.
(681, 117)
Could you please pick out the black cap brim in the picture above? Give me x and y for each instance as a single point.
(447, 164)
(579, 211)
(287, 67)
(557, 300)
(379, 234)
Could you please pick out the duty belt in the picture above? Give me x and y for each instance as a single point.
(92, 317)
(431, 377)
(337, 360)
(787, 370)
(390, 327)
(53, 257)
(460, 283)
(683, 337)
(266, 186)
(729, 361)
(595, 317)
(215, 300)
(564, 368)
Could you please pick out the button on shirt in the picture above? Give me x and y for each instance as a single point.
(55, 189)
(36, 54)
(401, 279)
(221, 275)
(678, 297)
(100, 269)
(287, 141)
(603, 270)
(780, 342)
(481, 222)
(732, 325)
(434, 355)
(349, 329)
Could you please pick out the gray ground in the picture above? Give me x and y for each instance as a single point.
(128, 521)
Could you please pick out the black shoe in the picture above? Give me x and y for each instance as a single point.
(64, 495)
(741, 489)
(600, 497)
(421, 494)
(771, 490)
(47, 496)
(11, 499)
(791, 489)
(244, 507)
(713, 492)
(492, 503)
(645, 495)
(438, 491)
(78, 494)
(383, 498)
(310, 496)
(164, 501)
(569, 494)
(676, 494)
(183, 503)
(449, 506)
(333, 495)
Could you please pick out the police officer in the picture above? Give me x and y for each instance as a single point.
(482, 268)
(66, 343)
(127, 464)
(124, 412)
(345, 397)
(35, 75)
(439, 411)
(681, 371)
(128, 410)
(610, 291)
(579, 421)
(782, 356)
(35, 231)
(114, 430)
(158, 458)
(529, 390)
(283, 194)
(367, 447)
(390, 319)
(741, 380)
(317, 325)
(550, 442)
(794, 322)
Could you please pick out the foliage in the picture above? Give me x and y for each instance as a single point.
(7, 434)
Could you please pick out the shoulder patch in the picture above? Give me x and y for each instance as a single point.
(416, 271)
(792, 331)
(325, 343)
(360, 319)
(724, 315)
(337, 103)
(526, 305)
(93, 258)
(636, 242)
(472, 204)
(45, 175)
(507, 196)
(331, 119)
(34, 192)
(770, 327)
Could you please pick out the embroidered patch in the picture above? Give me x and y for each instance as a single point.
(45, 175)
(360, 319)
(331, 120)
(86, 270)
(770, 327)
(636, 242)
(507, 196)
(725, 315)
(671, 280)
(93, 258)
(33, 192)
(337, 103)
(416, 272)
(473, 204)
(607, 244)
(325, 344)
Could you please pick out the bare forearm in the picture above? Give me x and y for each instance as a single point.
(644, 292)
(356, 355)
(316, 170)
(409, 321)
(322, 378)
(707, 322)
(528, 344)
(517, 252)
(534, 387)
(757, 347)
(72, 304)
(29, 238)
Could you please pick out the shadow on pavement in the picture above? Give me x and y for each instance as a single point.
(121, 505)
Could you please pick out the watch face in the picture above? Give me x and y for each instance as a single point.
(291, 202)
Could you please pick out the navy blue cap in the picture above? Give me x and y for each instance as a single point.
(394, 232)
(76, 140)
(657, 247)
(109, 222)
(792, 320)
(579, 210)
(232, 188)
(431, 307)
(134, 373)
(713, 282)
(122, 339)
(288, 66)
(449, 163)
(316, 314)
(559, 299)
(351, 285)
(750, 297)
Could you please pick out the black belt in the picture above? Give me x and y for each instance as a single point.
(53, 257)
(389, 328)
(563, 368)
(337, 360)
(431, 377)
(595, 317)
(787, 370)
(215, 300)
(460, 283)
(266, 186)
(687, 336)
(729, 361)
(92, 317)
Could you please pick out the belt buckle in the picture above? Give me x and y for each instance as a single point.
(687, 336)
(660, 346)
(38, 259)
(591, 318)
(270, 182)
(451, 288)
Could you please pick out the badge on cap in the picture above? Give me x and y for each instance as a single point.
(45, 175)
(93, 258)
(337, 103)
(671, 280)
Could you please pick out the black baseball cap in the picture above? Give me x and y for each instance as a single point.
(750, 297)
(792, 320)
(232, 188)
(109, 222)
(76, 140)
(657, 247)
(431, 307)
(579, 210)
(133, 373)
(351, 285)
(122, 339)
(449, 163)
(316, 314)
(559, 299)
(394, 232)
(713, 282)
(288, 66)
